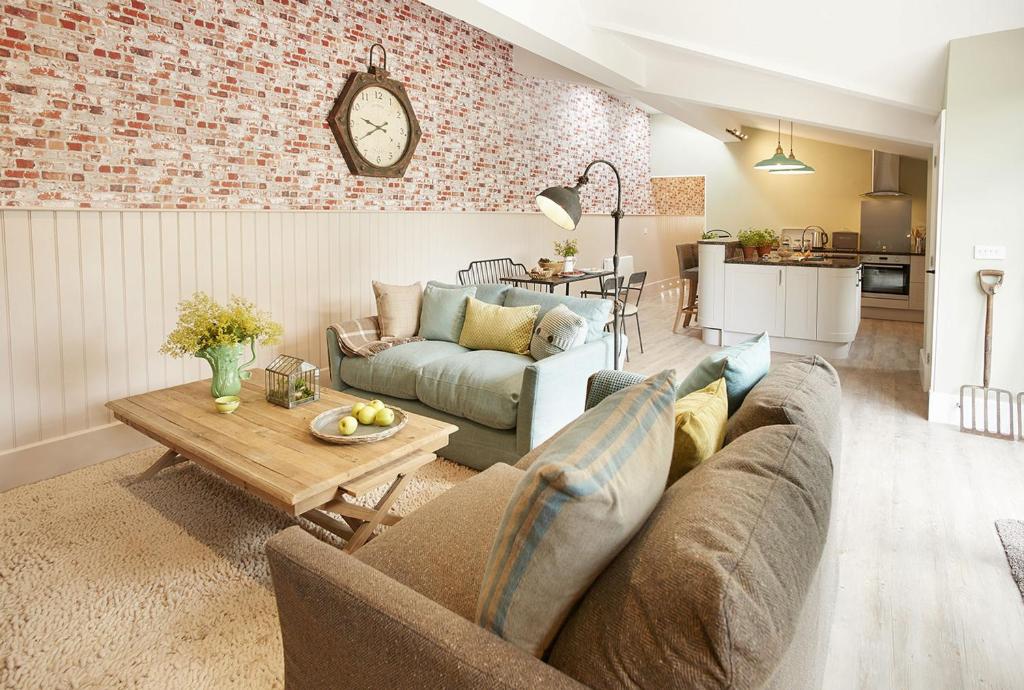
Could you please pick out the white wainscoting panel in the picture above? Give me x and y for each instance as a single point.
(87, 297)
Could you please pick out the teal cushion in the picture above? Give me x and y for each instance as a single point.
(444, 310)
(744, 365)
(394, 371)
(492, 293)
(595, 311)
(481, 385)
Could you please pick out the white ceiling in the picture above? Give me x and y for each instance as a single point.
(892, 50)
(868, 74)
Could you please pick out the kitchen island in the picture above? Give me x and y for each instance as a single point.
(809, 306)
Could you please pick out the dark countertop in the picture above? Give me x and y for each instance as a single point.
(830, 250)
(827, 263)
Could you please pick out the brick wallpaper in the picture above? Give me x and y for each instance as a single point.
(678, 196)
(203, 104)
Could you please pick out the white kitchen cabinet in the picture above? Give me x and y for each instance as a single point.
(802, 302)
(838, 304)
(755, 299)
(917, 269)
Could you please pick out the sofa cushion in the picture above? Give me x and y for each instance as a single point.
(805, 392)
(561, 329)
(443, 312)
(481, 385)
(440, 550)
(492, 293)
(589, 490)
(398, 309)
(595, 311)
(700, 427)
(708, 593)
(395, 370)
(742, 366)
(491, 327)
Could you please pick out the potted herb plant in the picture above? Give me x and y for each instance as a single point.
(567, 250)
(767, 240)
(219, 334)
(750, 240)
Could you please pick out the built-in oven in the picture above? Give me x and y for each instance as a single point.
(885, 276)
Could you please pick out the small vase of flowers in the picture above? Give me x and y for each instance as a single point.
(220, 334)
(567, 250)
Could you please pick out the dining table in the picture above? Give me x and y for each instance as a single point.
(553, 281)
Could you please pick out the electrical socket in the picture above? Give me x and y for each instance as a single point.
(989, 251)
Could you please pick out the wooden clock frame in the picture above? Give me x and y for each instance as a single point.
(338, 119)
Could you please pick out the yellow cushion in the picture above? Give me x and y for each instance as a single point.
(490, 327)
(700, 427)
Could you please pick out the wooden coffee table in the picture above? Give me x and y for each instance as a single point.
(269, 452)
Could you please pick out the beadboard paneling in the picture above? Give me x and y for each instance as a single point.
(87, 297)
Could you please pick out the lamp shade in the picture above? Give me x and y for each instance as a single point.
(802, 170)
(778, 162)
(561, 205)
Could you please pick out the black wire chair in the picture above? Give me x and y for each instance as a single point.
(635, 284)
(492, 271)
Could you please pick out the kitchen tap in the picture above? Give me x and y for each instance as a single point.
(822, 236)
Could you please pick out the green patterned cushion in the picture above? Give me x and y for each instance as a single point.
(558, 331)
(490, 327)
(588, 491)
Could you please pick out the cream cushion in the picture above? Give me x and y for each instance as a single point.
(398, 309)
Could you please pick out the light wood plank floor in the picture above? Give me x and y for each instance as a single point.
(925, 598)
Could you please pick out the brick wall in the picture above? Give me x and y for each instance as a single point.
(678, 196)
(203, 104)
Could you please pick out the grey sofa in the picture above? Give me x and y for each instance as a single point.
(504, 404)
(729, 584)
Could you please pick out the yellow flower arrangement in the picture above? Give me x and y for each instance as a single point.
(203, 323)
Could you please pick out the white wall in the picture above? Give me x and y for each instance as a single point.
(87, 297)
(738, 196)
(982, 203)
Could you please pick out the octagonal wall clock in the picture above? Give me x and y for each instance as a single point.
(374, 123)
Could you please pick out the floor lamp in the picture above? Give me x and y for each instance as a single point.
(562, 206)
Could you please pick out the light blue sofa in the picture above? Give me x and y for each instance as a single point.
(504, 404)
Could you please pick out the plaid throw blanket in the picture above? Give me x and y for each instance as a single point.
(361, 338)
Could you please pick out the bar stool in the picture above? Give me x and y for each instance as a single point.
(688, 273)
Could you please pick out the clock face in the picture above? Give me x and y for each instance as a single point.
(379, 126)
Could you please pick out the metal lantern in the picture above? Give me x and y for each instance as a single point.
(292, 382)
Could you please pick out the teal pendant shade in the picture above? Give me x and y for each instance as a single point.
(799, 167)
(777, 163)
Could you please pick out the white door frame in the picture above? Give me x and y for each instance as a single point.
(934, 236)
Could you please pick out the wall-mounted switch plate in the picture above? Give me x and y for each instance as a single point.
(989, 251)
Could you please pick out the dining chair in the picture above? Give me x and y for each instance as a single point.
(635, 284)
(688, 275)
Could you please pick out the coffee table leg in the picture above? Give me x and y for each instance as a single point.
(381, 509)
(168, 459)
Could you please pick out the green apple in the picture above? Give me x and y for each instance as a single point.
(377, 404)
(367, 414)
(358, 406)
(347, 426)
(384, 417)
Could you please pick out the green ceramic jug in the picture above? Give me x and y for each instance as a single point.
(228, 374)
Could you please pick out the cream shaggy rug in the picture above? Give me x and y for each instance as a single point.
(161, 584)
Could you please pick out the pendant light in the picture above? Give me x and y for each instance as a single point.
(779, 160)
(804, 169)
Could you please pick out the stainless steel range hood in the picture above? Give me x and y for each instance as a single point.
(885, 176)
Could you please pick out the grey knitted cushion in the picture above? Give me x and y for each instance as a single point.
(561, 329)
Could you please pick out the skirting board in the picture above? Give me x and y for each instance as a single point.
(914, 315)
(39, 461)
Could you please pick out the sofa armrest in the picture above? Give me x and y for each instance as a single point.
(554, 391)
(605, 382)
(346, 624)
(334, 358)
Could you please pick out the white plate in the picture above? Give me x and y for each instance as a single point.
(592, 270)
(325, 427)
